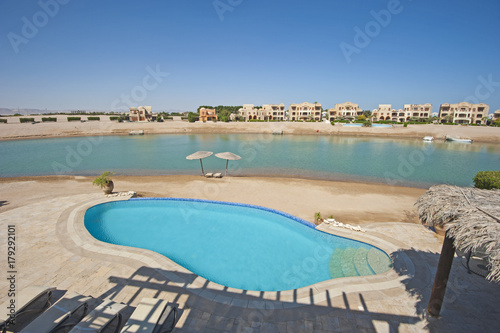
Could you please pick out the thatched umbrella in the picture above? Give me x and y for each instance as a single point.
(228, 156)
(471, 218)
(199, 155)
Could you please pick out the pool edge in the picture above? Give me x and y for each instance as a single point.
(316, 293)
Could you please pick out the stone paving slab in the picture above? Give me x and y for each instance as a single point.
(53, 250)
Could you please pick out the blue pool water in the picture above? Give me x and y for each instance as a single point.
(235, 245)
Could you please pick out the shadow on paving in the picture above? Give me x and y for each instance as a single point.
(470, 303)
(261, 315)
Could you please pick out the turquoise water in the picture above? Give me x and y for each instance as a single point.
(386, 160)
(234, 245)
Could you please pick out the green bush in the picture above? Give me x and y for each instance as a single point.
(3, 121)
(384, 122)
(487, 180)
(93, 118)
(112, 118)
(74, 118)
(405, 124)
(191, 117)
(26, 120)
(53, 119)
(256, 121)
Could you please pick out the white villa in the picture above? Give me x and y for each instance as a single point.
(417, 112)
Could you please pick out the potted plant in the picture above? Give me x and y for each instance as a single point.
(104, 182)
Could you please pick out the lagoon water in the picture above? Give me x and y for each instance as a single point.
(385, 160)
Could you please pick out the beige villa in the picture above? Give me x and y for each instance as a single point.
(142, 113)
(465, 113)
(305, 111)
(419, 112)
(383, 112)
(266, 112)
(208, 114)
(345, 110)
(496, 115)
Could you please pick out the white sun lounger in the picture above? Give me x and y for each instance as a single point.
(100, 318)
(150, 316)
(25, 303)
(218, 175)
(209, 175)
(59, 313)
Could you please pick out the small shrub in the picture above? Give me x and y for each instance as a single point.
(367, 124)
(487, 180)
(405, 124)
(26, 120)
(115, 118)
(74, 118)
(103, 179)
(53, 119)
(93, 118)
(3, 121)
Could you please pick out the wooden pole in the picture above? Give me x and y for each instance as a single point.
(225, 173)
(203, 172)
(442, 274)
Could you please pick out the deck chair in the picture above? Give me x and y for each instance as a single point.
(59, 314)
(151, 316)
(100, 318)
(209, 175)
(31, 299)
(218, 175)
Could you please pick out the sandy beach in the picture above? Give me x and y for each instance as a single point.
(350, 203)
(62, 128)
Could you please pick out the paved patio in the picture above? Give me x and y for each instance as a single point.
(54, 249)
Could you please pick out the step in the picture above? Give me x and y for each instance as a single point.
(379, 262)
(361, 262)
(347, 262)
(334, 266)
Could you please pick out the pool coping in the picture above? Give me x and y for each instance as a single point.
(314, 294)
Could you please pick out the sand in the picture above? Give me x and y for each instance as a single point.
(348, 202)
(354, 203)
(62, 128)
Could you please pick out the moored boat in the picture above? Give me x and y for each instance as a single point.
(428, 138)
(449, 138)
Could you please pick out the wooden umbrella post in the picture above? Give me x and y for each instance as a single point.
(442, 274)
(227, 162)
(202, 171)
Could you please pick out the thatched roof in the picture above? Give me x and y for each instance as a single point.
(228, 156)
(199, 155)
(471, 217)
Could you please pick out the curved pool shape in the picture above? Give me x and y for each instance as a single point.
(235, 245)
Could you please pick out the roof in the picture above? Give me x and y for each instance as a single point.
(198, 155)
(228, 156)
(471, 217)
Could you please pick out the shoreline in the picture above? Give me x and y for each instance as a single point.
(26, 131)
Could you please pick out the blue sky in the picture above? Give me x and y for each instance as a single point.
(99, 55)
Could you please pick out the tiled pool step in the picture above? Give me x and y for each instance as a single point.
(358, 262)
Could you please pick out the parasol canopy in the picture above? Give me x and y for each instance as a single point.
(471, 217)
(228, 156)
(199, 155)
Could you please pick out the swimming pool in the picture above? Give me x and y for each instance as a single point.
(235, 245)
